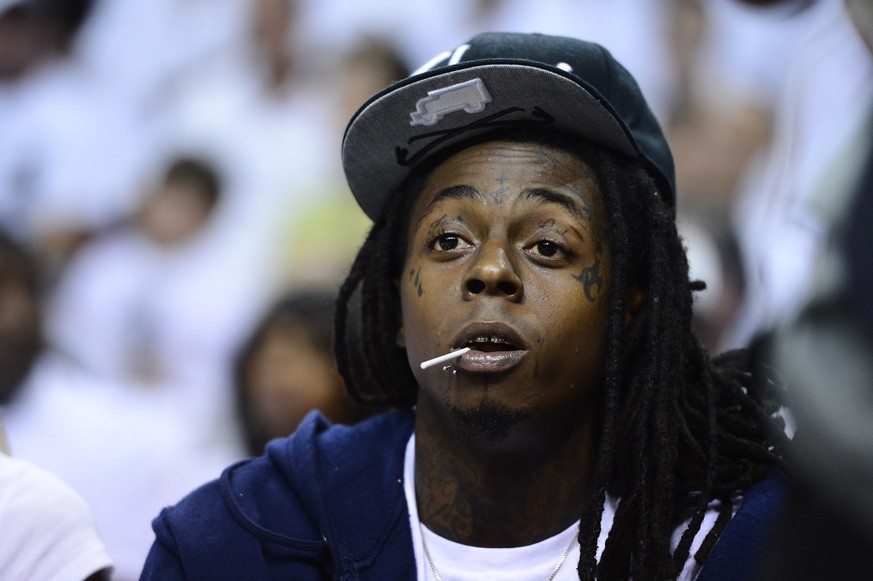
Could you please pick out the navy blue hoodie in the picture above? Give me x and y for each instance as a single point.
(328, 503)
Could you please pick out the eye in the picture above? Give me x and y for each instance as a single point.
(449, 242)
(549, 252)
(547, 248)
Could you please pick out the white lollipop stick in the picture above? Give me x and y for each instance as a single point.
(441, 358)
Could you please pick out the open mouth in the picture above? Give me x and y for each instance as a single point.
(489, 344)
(494, 348)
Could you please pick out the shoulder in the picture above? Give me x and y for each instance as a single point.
(55, 535)
(287, 499)
(315, 470)
(294, 473)
(341, 447)
(741, 549)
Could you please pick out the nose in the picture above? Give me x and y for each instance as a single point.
(493, 273)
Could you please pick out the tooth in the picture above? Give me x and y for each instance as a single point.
(484, 339)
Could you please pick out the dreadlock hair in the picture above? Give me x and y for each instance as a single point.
(679, 430)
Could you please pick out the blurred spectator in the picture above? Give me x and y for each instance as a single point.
(127, 451)
(634, 30)
(713, 257)
(259, 109)
(124, 332)
(35, 31)
(722, 121)
(20, 318)
(811, 307)
(134, 50)
(370, 65)
(48, 530)
(65, 149)
(789, 199)
(286, 369)
(326, 214)
(182, 204)
(165, 298)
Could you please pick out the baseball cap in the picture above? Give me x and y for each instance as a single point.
(494, 81)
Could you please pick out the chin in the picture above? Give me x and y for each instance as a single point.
(488, 422)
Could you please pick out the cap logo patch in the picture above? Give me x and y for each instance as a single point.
(513, 116)
(470, 96)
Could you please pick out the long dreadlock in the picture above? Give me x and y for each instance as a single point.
(679, 430)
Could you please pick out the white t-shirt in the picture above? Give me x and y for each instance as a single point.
(537, 562)
(48, 533)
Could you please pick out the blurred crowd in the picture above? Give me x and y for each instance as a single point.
(175, 220)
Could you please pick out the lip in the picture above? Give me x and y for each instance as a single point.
(496, 361)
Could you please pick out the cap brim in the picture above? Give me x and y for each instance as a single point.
(381, 145)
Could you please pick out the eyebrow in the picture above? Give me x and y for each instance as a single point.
(582, 212)
(458, 192)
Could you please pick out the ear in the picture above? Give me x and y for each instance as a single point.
(634, 303)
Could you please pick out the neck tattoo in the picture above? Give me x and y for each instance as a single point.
(557, 568)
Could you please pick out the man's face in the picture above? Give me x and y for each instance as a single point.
(507, 255)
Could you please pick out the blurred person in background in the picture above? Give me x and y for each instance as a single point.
(788, 199)
(33, 32)
(59, 126)
(20, 318)
(726, 93)
(83, 128)
(801, 211)
(48, 530)
(259, 106)
(124, 449)
(713, 256)
(109, 286)
(325, 215)
(286, 369)
(721, 123)
(165, 297)
(636, 29)
(822, 340)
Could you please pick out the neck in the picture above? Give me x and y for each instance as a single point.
(501, 494)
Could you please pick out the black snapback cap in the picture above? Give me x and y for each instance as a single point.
(500, 80)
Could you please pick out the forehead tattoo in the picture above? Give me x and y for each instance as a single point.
(585, 183)
(581, 207)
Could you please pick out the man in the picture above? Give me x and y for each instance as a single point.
(522, 196)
